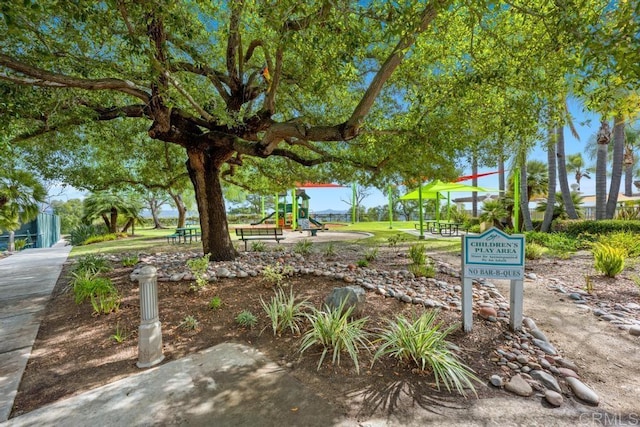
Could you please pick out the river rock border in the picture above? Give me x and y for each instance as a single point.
(528, 363)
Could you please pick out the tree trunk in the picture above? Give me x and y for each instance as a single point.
(154, 208)
(114, 221)
(205, 176)
(616, 167)
(182, 209)
(105, 218)
(551, 186)
(603, 138)
(628, 171)
(127, 225)
(502, 185)
(563, 178)
(474, 182)
(526, 223)
(11, 244)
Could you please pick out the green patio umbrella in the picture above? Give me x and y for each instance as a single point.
(434, 189)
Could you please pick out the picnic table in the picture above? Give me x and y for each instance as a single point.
(442, 227)
(183, 233)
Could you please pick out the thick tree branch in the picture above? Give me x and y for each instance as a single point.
(175, 83)
(44, 78)
(217, 79)
(352, 126)
(233, 44)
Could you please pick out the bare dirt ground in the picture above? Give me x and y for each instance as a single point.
(75, 350)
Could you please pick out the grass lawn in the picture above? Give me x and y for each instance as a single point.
(154, 240)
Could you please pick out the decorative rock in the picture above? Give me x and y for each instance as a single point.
(519, 386)
(566, 363)
(582, 391)
(635, 330)
(529, 323)
(546, 379)
(354, 296)
(566, 372)
(223, 272)
(539, 334)
(496, 381)
(544, 346)
(486, 312)
(554, 398)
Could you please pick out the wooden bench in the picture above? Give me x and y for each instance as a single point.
(259, 233)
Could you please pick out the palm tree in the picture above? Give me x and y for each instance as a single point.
(108, 206)
(493, 211)
(551, 174)
(616, 166)
(632, 142)
(576, 166)
(20, 196)
(559, 210)
(562, 164)
(602, 139)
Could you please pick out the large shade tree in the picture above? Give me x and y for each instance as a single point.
(254, 89)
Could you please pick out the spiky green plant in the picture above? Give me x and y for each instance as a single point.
(303, 247)
(335, 330)
(246, 319)
(189, 322)
(93, 264)
(371, 254)
(285, 311)
(422, 342)
(417, 255)
(215, 303)
(608, 260)
(534, 251)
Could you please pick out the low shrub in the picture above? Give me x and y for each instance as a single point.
(371, 254)
(81, 233)
(103, 238)
(129, 260)
(275, 275)
(625, 240)
(417, 255)
(246, 319)
(533, 250)
(100, 291)
(190, 323)
(198, 267)
(422, 342)
(93, 264)
(215, 303)
(258, 246)
(423, 270)
(608, 260)
(362, 263)
(575, 228)
(334, 330)
(329, 251)
(303, 247)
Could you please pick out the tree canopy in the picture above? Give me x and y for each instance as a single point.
(267, 93)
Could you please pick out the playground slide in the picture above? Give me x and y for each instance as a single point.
(317, 223)
(264, 219)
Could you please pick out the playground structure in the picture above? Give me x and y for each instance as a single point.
(293, 215)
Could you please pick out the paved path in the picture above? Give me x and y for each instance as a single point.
(26, 281)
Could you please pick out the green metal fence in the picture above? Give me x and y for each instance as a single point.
(42, 232)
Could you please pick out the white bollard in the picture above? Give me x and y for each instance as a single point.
(150, 331)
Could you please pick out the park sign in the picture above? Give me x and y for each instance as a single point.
(493, 255)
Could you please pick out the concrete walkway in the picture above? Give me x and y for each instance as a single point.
(27, 279)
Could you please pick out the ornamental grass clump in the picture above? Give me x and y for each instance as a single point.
(422, 342)
(285, 311)
(335, 331)
(608, 260)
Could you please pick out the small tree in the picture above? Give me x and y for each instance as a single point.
(20, 196)
(109, 206)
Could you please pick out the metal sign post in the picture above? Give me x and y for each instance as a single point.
(493, 255)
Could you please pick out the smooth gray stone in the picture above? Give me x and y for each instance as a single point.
(554, 398)
(546, 379)
(496, 381)
(529, 323)
(539, 334)
(544, 346)
(635, 330)
(582, 391)
(519, 386)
